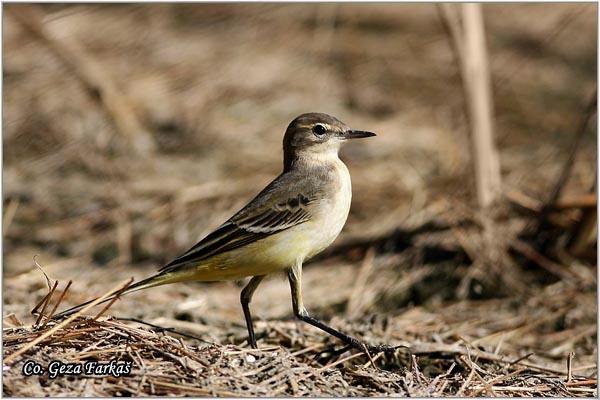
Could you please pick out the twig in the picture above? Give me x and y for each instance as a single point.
(60, 299)
(372, 360)
(518, 360)
(172, 330)
(465, 383)
(522, 200)
(43, 272)
(343, 360)
(46, 302)
(541, 260)
(570, 366)
(538, 388)
(188, 389)
(67, 321)
(468, 45)
(366, 351)
(466, 358)
(476, 78)
(583, 234)
(415, 367)
(588, 200)
(110, 303)
(34, 311)
(589, 111)
(425, 348)
(591, 382)
(451, 23)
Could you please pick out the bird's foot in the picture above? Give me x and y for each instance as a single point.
(372, 349)
(382, 348)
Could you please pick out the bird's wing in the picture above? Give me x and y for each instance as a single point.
(280, 206)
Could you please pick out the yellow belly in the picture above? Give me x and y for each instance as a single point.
(259, 258)
(270, 254)
(281, 250)
(263, 257)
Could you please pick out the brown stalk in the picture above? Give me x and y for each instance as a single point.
(468, 45)
(64, 323)
(116, 296)
(570, 366)
(46, 302)
(60, 299)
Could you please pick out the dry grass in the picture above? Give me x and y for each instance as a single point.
(509, 346)
(459, 354)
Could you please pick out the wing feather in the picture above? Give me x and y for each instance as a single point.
(246, 227)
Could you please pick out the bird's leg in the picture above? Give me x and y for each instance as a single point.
(245, 298)
(295, 278)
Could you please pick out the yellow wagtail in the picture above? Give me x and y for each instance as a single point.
(295, 217)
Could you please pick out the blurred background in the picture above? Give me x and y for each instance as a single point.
(131, 131)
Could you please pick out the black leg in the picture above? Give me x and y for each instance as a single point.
(295, 278)
(245, 298)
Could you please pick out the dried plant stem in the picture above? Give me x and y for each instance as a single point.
(64, 323)
(476, 78)
(94, 77)
(45, 303)
(589, 111)
(60, 299)
(110, 303)
(468, 44)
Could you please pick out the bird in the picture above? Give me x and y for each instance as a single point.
(296, 216)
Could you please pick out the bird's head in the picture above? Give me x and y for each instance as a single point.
(316, 135)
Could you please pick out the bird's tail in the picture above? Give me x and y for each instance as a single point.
(155, 280)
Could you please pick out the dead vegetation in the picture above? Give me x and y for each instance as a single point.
(501, 302)
(450, 351)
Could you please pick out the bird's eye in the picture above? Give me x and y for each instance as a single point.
(319, 130)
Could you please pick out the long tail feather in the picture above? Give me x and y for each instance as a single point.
(154, 280)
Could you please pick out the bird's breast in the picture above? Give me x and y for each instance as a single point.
(284, 249)
(333, 210)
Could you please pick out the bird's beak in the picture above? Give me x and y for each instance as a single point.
(351, 134)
